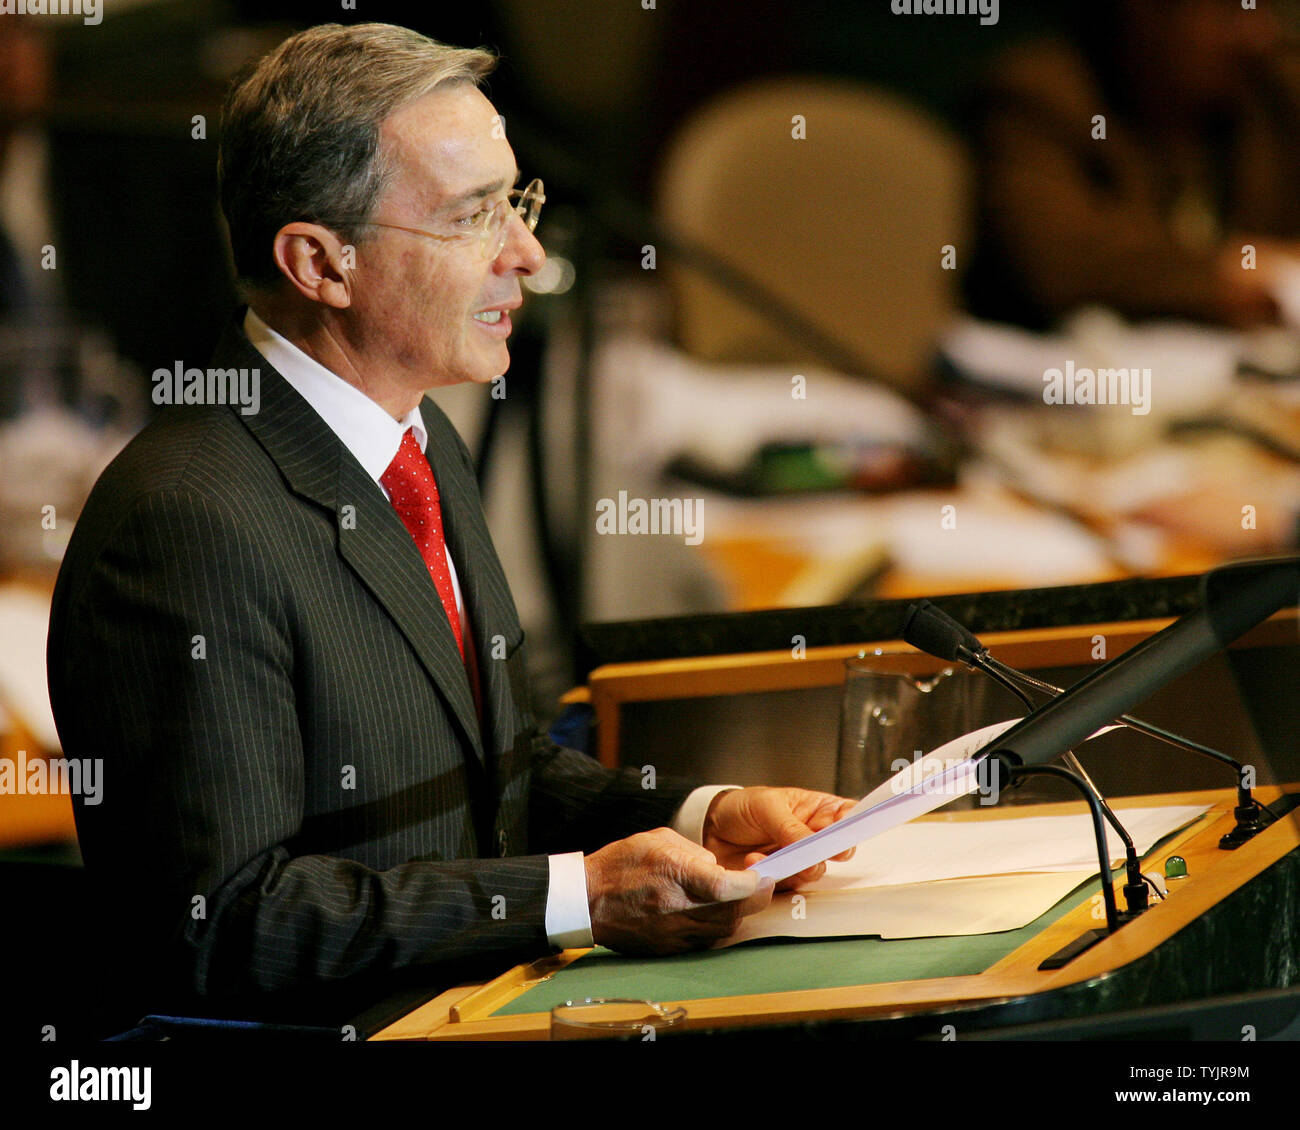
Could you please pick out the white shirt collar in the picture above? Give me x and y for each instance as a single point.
(370, 433)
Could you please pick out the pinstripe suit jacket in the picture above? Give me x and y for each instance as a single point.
(297, 788)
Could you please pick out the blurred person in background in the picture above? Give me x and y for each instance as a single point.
(67, 401)
(1129, 168)
(27, 292)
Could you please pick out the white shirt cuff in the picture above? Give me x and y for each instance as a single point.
(689, 821)
(568, 920)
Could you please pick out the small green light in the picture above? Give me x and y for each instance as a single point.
(1175, 867)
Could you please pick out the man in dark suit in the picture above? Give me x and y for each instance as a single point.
(282, 624)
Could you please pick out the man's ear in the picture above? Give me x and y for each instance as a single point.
(315, 262)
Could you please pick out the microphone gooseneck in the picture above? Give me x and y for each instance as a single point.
(932, 630)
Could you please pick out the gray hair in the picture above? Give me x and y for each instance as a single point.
(300, 132)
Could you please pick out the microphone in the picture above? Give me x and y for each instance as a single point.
(1235, 598)
(933, 631)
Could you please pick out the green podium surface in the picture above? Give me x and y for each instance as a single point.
(776, 966)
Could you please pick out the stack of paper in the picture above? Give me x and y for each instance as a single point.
(935, 878)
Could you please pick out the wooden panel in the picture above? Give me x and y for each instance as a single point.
(752, 672)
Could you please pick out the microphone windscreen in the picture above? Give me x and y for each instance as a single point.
(933, 631)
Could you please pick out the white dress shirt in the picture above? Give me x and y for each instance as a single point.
(373, 436)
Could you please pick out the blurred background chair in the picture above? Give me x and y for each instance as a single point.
(841, 199)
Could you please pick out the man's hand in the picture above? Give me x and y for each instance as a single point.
(744, 825)
(658, 893)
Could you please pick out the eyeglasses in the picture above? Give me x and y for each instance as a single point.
(488, 225)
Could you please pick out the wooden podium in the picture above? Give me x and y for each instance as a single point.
(1232, 925)
(1124, 970)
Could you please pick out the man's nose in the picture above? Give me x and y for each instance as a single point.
(522, 251)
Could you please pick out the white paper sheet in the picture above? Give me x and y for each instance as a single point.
(952, 907)
(937, 878)
(930, 850)
(941, 776)
(924, 769)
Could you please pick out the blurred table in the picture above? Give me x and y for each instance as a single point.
(28, 820)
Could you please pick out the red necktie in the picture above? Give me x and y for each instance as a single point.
(410, 486)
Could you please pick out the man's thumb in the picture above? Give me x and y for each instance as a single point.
(732, 886)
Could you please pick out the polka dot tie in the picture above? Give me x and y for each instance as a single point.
(410, 486)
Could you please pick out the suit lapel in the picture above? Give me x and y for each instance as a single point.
(371, 538)
(379, 548)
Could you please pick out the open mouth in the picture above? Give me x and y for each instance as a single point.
(495, 322)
